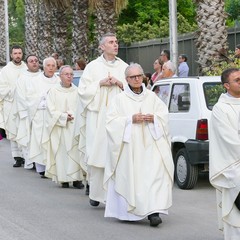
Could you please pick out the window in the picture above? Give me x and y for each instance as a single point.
(212, 92)
(180, 98)
(162, 92)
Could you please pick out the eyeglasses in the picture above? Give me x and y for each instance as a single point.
(237, 80)
(33, 61)
(135, 76)
(67, 74)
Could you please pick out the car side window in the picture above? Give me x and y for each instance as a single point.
(162, 92)
(180, 98)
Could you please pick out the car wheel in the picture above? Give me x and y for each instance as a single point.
(186, 175)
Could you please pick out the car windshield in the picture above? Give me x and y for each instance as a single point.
(212, 91)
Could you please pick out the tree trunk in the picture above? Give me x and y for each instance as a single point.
(106, 21)
(45, 48)
(80, 29)
(212, 34)
(59, 30)
(31, 27)
(2, 34)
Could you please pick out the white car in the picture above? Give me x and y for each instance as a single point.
(190, 101)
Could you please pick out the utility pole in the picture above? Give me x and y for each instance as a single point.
(173, 32)
(6, 31)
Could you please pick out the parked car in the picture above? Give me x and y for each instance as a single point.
(190, 101)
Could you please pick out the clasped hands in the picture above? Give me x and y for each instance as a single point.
(111, 81)
(69, 117)
(140, 118)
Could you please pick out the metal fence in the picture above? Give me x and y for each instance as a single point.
(146, 52)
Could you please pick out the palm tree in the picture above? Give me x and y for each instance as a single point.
(2, 34)
(45, 47)
(106, 12)
(59, 30)
(212, 34)
(80, 29)
(31, 27)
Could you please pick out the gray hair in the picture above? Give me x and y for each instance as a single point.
(103, 38)
(63, 67)
(47, 60)
(133, 65)
(169, 65)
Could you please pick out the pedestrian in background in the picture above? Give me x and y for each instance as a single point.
(183, 68)
(157, 66)
(168, 70)
(237, 51)
(165, 55)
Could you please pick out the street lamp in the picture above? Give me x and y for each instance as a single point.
(173, 32)
(6, 30)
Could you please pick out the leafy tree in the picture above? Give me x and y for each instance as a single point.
(229, 62)
(16, 21)
(152, 11)
(128, 33)
(233, 9)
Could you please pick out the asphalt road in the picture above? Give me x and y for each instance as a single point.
(32, 208)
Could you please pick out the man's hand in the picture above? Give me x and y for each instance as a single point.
(105, 82)
(111, 81)
(69, 117)
(149, 118)
(140, 118)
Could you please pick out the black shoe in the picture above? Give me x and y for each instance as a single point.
(65, 185)
(78, 184)
(155, 220)
(237, 202)
(93, 203)
(18, 162)
(87, 189)
(2, 132)
(34, 166)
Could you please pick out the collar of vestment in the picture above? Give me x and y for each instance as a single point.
(60, 88)
(228, 99)
(113, 62)
(137, 97)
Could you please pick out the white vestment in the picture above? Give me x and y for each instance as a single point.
(2, 125)
(23, 133)
(9, 119)
(36, 98)
(92, 113)
(139, 170)
(8, 80)
(62, 164)
(224, 162)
